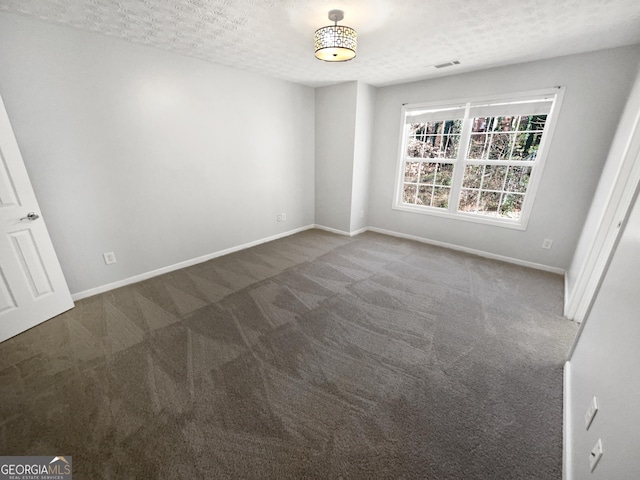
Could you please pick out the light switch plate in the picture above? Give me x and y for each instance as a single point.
(591, 413)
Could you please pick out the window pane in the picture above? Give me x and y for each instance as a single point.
(450, 146)
(441, 146)
(432, 146)
(415, 148)
(526, 146)
(453, 127)
(504, 124)
(468, 200)
(493, 177)
(439, 139)
(441, 197)
(481, 124)
(489, 202)
(494, 137)
(409, 194)
(417, 130)
(532, 122)
(511, 205)
(428, 173)
(411, 172)
(446, 127)
(472, 176)
(478, 146)
(500, 146)
(424, 195)
(444, 175)
(518, 179)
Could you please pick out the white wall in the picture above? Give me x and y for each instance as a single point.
(365, 105)
(597, 85)
(344, 129)
(335, 110)
(611, 200)
(158, 157)
(163, 158)
(605, 363)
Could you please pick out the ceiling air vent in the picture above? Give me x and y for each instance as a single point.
(447, 64)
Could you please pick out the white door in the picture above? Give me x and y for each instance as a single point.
(32, 286)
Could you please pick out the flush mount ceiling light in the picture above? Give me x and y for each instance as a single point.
(335, 43)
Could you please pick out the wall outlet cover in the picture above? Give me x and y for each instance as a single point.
(595, 455)
(109, 258)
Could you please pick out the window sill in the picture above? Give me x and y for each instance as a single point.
(465, 217)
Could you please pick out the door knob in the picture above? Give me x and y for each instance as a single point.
(31, 216)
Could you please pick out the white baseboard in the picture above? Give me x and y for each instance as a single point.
(567, 473)
(204, 258)
(341, 232)
(332, 230)
(358, 232)
(186, 263)
(473, 251)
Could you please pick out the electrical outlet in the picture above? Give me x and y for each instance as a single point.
(546, 243)
(279, 217)
(284, 217)
(591, 412)
(595, 455)
(109, 258)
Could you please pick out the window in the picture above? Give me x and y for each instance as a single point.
(475, 160)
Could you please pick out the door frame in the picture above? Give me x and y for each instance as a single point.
(618, 202)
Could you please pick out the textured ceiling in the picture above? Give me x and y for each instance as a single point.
(399, 40)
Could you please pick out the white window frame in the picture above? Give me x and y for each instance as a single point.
(556, 94)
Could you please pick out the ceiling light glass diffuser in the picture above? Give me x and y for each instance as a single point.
(335, 43)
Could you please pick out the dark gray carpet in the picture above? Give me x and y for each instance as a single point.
(313, 356)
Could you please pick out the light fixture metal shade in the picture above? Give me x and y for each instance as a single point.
(335, 43)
